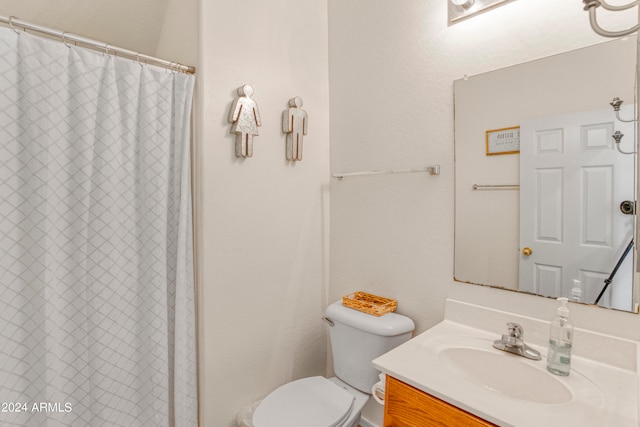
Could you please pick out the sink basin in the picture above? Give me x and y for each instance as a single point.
(458, 364)
(507, 374)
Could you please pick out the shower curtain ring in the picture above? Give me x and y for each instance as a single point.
(11, 18)
(138, 59)
(64, 40)
(106, 49)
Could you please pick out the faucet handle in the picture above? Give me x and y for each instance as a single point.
(513, 343)
(515, 330)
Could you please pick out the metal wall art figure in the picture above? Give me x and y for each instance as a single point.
(245, 117)
(294, 124)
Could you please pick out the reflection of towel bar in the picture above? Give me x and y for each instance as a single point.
(496, 187)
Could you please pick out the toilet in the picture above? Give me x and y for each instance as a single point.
(356, 339)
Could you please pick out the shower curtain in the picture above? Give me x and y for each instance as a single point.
(97, 324)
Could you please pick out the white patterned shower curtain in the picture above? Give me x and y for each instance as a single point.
(97, 324)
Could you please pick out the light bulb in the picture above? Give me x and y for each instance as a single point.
(465, 4)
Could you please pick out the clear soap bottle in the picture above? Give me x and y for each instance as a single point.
(560, 339)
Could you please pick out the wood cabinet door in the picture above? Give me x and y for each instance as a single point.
(406, 406)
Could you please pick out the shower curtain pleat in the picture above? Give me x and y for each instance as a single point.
(97, 311)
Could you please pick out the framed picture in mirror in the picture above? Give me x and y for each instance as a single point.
(503, 141)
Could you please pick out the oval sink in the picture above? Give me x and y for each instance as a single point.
(506, 374)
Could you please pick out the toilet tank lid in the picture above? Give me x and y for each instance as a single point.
(388, 325)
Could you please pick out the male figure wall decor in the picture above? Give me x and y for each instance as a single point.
(294, 124)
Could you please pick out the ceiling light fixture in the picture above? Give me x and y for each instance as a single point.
(465, 4)
(462, 9)
(593, 5)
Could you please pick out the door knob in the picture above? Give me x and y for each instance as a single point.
(527, 251)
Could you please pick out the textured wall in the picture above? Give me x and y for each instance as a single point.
(392, 67)
(262, 222)
(134, 25)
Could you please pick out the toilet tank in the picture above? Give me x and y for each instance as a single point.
(357, 338)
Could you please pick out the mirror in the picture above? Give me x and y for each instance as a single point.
(524, 223)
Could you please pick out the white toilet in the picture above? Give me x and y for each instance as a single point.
(356, 339)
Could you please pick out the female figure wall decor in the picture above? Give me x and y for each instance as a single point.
(245, 117)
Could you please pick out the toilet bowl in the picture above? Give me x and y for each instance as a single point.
(356, 339)
(311, 402)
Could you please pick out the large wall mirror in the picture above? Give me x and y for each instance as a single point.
(541, 184)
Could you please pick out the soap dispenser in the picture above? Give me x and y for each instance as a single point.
(560, 338)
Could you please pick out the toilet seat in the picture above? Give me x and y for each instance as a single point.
(310, 402)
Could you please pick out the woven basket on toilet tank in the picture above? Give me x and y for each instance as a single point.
(369, 303)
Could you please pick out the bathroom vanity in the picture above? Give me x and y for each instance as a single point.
(452, 375)
(406, 406)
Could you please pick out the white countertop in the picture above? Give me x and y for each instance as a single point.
(601, 394)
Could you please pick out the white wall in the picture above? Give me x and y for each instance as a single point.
(392, 66)
(134, 25)
(262, 223)
(178, 38)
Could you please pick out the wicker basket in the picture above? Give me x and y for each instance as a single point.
(369, 303)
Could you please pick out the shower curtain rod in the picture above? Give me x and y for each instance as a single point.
(66, 38)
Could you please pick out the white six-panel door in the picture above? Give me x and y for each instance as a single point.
(572, 181)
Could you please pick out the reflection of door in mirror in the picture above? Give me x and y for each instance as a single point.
(572, 181)
(487, 222)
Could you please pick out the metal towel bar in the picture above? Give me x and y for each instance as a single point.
(496, 187)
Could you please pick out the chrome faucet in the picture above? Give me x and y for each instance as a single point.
(513, 343)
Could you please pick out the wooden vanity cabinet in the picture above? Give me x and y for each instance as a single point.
(406, 406)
